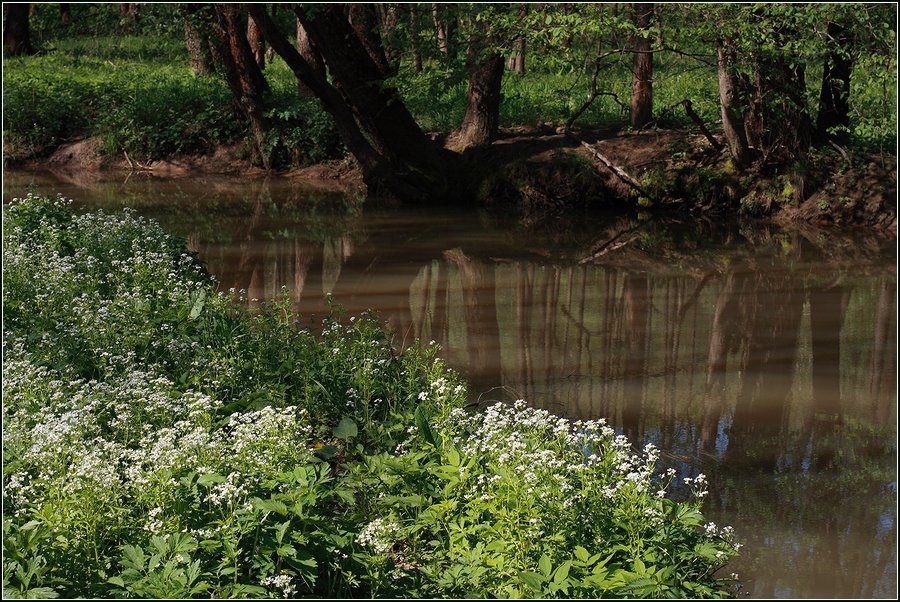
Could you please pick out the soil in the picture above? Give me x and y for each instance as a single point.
(543, 169)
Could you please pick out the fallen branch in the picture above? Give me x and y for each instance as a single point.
(689, 109)
(620, 173)
(844, 154)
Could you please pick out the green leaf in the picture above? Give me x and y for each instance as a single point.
(531, 579)
(562, 572)
(544, 565)
(198, 305)
(424, 427)
(453, 456)
(581, 554)
(346, 429)
(116, 581)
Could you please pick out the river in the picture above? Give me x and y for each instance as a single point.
(764, 358)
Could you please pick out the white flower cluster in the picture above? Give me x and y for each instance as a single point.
(379, 535)
(280, 583)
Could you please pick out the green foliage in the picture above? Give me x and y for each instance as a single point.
(162, 441)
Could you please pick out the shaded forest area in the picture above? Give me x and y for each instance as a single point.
(738, 108)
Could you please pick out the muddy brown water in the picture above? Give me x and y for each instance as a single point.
(764, 358)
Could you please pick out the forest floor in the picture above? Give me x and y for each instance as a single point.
(541, 170)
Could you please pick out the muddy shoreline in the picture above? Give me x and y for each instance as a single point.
(539, 172)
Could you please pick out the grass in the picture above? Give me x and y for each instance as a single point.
(138, 94)
(163, 440)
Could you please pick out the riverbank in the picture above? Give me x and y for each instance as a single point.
(538, 172)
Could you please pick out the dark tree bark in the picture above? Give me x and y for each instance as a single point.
(244, 77)
(309, 54)
(196, 40)
(834, 98)
(389, 16)
(364, 21)
(642, 69)
(732, 122)
(394, 154)
(257, 43)
(65, 13)
(16, 30)
(481, 121)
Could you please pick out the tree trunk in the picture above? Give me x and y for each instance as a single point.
(481, 121)
(440, 31)
(642, 69)
(732, 123)
(414, 38)
(365, 23)
(196, 40)
(257, 43)
(517, 58)
(243, 75)
(833, 121)
(389, 15)
(65, 13)
(16, 32)
(309, 54)
(394, 154)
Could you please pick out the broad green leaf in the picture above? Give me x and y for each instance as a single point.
(581, 554)
(346, 429)
(562, 572)
(531, 579)
(545, 565)
(198, 305)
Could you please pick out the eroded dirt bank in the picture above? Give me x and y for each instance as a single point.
(537, 172)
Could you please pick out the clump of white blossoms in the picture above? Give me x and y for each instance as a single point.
(280, 583)
(379, 535)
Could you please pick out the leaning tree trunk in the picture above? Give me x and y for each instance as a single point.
(642, 69)
(481, 121)
(364, 21)
(732, 124)
(389, 17)
(833, 121)
(395, 156)
(257, 43)
(309, 54)
(244, 77)
(16, 32)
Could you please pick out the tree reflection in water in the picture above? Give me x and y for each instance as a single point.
(764, 359)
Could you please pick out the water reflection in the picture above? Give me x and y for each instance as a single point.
(765, 359)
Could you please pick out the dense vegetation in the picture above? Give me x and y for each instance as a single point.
(161, 440)
(126, 76)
